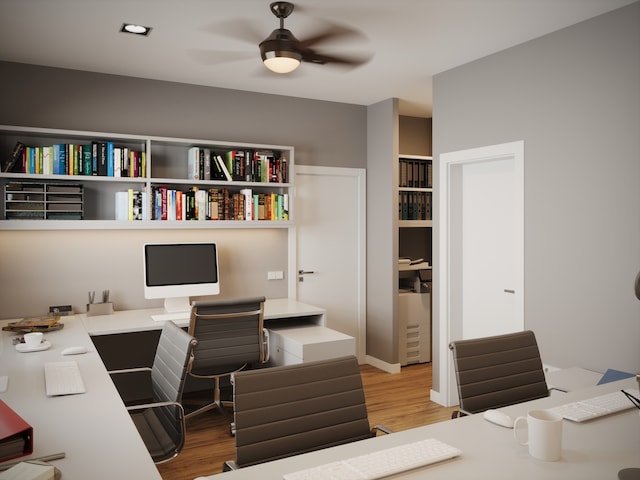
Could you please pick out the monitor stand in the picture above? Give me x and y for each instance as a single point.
(177, 304)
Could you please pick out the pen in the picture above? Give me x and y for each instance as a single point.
(92, 297)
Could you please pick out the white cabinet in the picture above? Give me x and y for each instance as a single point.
(414, 324)
(307, 343)
(157, 169)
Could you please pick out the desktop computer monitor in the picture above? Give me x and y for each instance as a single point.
(177, 271)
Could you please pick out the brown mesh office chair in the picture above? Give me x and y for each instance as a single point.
(493, 372)
(292, 409)
(230, 336)
(161, 421)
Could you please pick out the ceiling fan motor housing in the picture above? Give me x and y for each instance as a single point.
(281, 43)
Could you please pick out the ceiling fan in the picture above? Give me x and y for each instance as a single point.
(282, 52)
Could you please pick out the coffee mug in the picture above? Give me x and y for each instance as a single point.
(544, 436)
(33, 339)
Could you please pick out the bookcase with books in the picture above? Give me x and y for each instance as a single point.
(415, 178)
(138, 181)
(415, 220)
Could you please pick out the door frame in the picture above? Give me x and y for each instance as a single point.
(359, 174)
(447, 389)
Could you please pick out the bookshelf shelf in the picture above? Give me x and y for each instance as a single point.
(157, 172)
(415, 177)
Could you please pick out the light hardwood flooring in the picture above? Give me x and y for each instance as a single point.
(397, 401)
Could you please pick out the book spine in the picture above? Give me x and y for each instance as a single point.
(15, 157)
(193, 156)
(110, 159)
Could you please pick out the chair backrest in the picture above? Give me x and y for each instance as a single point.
(496, 371)
(168, 376)
(229, 333)
(292, 409)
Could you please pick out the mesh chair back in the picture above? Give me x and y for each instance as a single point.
(496, 371)
(287, 410)
(229, 334)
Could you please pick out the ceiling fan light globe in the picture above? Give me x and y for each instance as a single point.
(278, 63)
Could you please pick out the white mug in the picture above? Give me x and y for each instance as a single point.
(33, 339)
(544, 436)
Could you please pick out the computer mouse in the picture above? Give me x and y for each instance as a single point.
(74, 350)
(499, 418)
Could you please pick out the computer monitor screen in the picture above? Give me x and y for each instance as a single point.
(177, 271)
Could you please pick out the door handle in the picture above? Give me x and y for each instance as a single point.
(508, 290)
(303, 272)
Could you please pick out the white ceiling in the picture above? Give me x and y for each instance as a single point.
(198, 41)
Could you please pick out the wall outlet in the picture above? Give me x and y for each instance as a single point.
(277, 275)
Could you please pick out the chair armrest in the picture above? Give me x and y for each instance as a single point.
(154, 405)
(380, 428)
(129, 370)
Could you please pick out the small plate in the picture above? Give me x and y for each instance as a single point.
(22, 347)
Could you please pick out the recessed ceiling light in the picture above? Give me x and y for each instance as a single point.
(135, 29)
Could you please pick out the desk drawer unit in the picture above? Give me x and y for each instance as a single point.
(298, 344)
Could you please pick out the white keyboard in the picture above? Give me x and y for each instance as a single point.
(596, 406)
(381, 463)
(173, 316)
(63, 378)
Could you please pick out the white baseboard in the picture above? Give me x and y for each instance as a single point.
(436, 397)
(384, 366)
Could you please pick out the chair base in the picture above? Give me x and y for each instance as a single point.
(216, 405)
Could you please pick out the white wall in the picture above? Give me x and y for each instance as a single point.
(573, 96)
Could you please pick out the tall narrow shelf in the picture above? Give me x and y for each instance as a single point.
(415, 189)
(163, 162)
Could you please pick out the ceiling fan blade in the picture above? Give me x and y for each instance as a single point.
(345, 61)
(238, 29)
(333, 31)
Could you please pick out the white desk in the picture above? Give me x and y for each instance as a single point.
(93, 429)
(595, 450)
(127, 321)
(298, 331)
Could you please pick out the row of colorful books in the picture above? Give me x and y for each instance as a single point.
(199, 204)
(97, 158)
(237, 165)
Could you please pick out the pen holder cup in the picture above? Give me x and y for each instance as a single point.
(94, 309)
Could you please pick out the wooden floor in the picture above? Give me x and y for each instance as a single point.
(397, 401)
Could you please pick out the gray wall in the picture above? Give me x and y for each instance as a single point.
(382, 228)
(574, 97)
(42, 268)
(415, 135)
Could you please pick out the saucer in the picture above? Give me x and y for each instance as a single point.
(22, 347)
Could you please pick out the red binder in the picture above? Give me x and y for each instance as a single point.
(16, 435)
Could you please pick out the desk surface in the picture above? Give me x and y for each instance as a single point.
(592, 450)
(94, 429)
(126, 321)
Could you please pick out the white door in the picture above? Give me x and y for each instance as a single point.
(481, 250)
(330, 221)
(490, 290)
